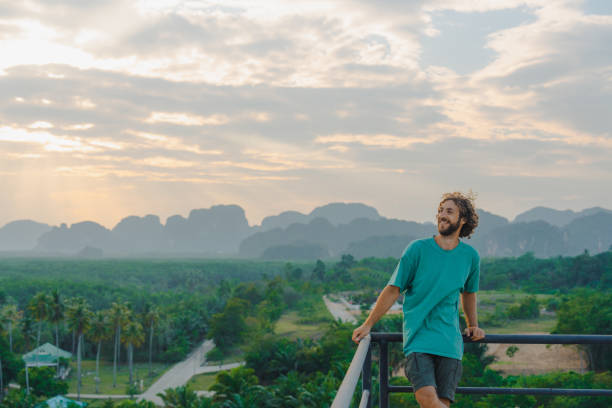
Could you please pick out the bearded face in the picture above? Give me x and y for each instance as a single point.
(445, 227)
(449, 219)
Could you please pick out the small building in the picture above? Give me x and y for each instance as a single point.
(45, 355)
(60, 402)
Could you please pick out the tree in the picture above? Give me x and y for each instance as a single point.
(528, 308)
(133, 336)
(10, 364)
(79, 317)
(588, 312)
(319, 271)
(228, 327)
(240, 381)
(117, 315)
(179, 397)
(151, 318)
(10, 316)
(56, 312)
(19, 398)
(39, 306)
(98, 331)
(27, 329)
(43, 382)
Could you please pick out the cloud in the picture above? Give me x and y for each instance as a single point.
(46, 140)
(172, 143)
(379, 141)
(306, 102)
(186, 119)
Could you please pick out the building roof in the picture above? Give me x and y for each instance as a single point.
(60, 402)
(47, 354)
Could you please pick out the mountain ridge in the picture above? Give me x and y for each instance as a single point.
(328, 230)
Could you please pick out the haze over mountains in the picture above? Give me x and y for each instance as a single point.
(328, 231)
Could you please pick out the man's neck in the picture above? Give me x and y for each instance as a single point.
(447, 242)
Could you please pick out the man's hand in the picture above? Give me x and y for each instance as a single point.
(475, 333)
(385, 300)
(360, 332)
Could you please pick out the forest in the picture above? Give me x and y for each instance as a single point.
(127, 321)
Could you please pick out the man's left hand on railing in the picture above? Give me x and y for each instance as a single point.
(475, 333)
(361, 332)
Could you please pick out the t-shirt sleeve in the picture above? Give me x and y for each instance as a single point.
(406, 268)
(472, 281)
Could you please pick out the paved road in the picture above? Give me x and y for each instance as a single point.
(99, 396)
(179, 374)
(339, 310)
(173, 381)
(215, 368)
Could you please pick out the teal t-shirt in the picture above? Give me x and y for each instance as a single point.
(431, 278)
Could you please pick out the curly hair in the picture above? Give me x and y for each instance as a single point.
(467, 210)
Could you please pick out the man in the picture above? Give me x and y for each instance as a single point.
(432, 274)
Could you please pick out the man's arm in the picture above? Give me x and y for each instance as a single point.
(468, 303)
(385, 300)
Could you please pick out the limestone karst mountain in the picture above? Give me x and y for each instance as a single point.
(327, 231)
(21, 235)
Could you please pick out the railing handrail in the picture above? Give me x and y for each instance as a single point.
(347, 388)
(518, 338)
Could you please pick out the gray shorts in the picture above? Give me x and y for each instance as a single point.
(443, 373)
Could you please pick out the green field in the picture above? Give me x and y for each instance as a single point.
(305, 323)
(202, 382)
(487, 298)
(141, 371)
(543, 324)
(490, 300)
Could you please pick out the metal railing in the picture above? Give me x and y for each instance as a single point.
(362, 364)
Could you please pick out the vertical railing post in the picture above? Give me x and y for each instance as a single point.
(366, 376)
(384, 374)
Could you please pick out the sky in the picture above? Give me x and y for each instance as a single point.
(125, 107)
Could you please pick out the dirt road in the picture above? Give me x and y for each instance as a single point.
(339, 310)
(537, 358)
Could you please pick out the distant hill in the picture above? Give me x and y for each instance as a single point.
(215, 231)
(70, 240)
(327, 231)
(335, 239)
(21, 235)
(380, 246)
(557, 217)
(335, 213)
(295, 251)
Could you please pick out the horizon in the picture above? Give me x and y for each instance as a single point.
(164, 219)
(119, 107)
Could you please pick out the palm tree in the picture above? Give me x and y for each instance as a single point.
(133, 337)
(79, 317)
(179, 397)
(117, 315)
(151, 318)
(56, 312)
(67, 304)
(39, 306)
(27, 329)
(238, 381)
(11, 316)
(98, 331)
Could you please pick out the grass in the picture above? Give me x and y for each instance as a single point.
(489, 300)
(233, 355)
(542, 324)
(289, 326)
(88, 367)
(309, 322)
(202, 382)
